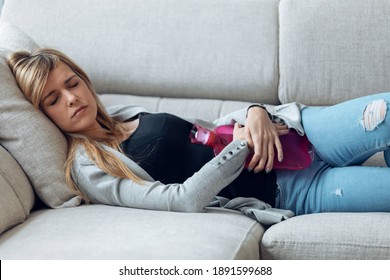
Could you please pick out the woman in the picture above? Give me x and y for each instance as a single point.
(132, 158)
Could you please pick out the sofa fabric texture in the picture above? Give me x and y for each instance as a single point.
(332, 51)
(321, 236)
(17, 196)
(174, 48)
(197, 59)
(107, 232)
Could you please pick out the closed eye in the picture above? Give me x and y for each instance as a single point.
(53, 99)
(74, 85)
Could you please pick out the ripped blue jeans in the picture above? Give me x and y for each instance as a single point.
(344, 136)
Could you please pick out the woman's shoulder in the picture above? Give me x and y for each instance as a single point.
(81, 156)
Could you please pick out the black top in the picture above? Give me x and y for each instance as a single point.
(162, 147)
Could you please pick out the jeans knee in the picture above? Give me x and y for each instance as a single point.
(374, 114)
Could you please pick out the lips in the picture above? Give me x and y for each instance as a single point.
(78, 110)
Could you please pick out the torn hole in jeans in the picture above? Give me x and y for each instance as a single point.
(374, 114)
(337, 192)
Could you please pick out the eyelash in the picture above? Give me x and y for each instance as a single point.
(54, 101)
(74, 85)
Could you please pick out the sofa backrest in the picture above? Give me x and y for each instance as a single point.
(333, 50)
(318, 52)
(221, 49)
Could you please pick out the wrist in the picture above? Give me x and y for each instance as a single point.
(258, 109)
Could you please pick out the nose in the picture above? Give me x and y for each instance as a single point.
(70, 98)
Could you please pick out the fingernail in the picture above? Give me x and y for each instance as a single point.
(280, 159)
(250, 169)
(268, 170)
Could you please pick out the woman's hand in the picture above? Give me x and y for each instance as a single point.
(282, 129)
(263, 137)
(238, 132)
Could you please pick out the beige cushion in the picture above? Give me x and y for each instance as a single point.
(332, 50)
(38, 146)
(329, 236)
(113, 233)
(198, 49)
(16, 194)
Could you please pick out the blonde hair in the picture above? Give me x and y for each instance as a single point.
(31, 70)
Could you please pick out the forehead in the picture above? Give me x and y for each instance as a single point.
(57, 78)
(62, 71)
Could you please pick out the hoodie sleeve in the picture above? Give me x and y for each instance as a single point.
(193, 195)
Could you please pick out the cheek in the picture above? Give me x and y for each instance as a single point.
(57, 117)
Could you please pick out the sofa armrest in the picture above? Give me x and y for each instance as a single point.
(16, 193)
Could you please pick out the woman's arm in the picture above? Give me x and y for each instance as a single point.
(193, 195)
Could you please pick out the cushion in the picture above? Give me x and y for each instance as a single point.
(102, 232)
(329, 236)
(16, 194)
(332, 51)
(195, 49)
(34, 141)
(205, 109)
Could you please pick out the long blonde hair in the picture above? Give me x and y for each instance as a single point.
(31, 70)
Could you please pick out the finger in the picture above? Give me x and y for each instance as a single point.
(256, 157)
(279, 149)
(280, 126)
(235, 131)
(263, 158)
(283, 132)
(271, 154)
(248, 137)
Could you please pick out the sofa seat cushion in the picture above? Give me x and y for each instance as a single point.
(329, 236)
(107, 232)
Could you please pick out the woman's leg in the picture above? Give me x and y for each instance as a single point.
(350, 132)
(323, 188)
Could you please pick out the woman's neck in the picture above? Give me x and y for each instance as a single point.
(96, 131)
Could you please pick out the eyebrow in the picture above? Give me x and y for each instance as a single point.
(53, 91)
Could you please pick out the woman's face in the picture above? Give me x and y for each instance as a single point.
(68, 102)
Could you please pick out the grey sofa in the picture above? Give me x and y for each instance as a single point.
(195, 59)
